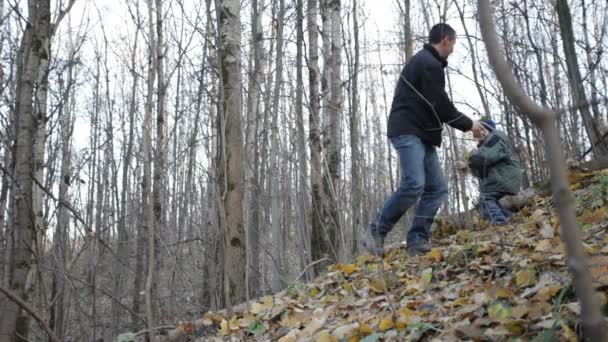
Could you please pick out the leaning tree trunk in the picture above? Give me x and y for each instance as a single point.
(230, 153)
(594, 326)
(600, 148)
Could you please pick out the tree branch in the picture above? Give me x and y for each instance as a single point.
(31, 311)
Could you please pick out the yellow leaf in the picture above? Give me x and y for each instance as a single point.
(460, 302)
(435, 255)
(329, 299)
(499, 312)
(224, 327)
(365, 329)
(268, 301)
(324, 336)
(314, 292)
(234, 324)
(386, 324)
(349, 269)
(525, 278)
(347, 286)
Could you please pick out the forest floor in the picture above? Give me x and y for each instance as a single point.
(482, 283)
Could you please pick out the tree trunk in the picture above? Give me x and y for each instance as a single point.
(303, 208)
(258, 61)
(147, 195)
(230, 153)
(600, 148)
(314, 137)
(275, 173)
(594, 325)
(60, 237)
(356, 196)
(35, 44)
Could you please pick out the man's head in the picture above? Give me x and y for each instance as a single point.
(443, 38)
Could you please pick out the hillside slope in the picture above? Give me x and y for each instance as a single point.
(484, 283)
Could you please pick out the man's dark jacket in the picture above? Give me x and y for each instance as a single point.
(410, 113)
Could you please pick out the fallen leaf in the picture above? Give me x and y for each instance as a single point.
(499, 312)
(435, 255)
(346, 331)
(427, 276)
(365, 329)
(547, 231)
(385, 324)
(543, 246)
(325, 336)
(525, 278)
(224, 329)
(315, 325)
(349, 269)
(549, 292)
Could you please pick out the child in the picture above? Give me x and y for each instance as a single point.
(496, 164)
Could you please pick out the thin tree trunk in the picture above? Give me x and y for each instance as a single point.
(356, 197)
(594, 325)
(147, 195)
(314, 138)
(303, 208)
(599, 147)
(258, 60)
(60, 238)
(275, 191)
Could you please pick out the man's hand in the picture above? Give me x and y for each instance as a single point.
(477, 126)
(461, 165)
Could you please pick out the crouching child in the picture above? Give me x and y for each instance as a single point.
(496, 164)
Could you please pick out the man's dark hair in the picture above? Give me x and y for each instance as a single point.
(441, 31)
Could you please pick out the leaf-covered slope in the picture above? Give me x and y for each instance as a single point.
(485, 283)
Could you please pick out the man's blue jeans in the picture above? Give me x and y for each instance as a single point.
(491, 209)
(421, 177)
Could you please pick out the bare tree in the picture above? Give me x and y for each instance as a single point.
(35, 45)
(599, 146)
(230, 152)
(594, 326)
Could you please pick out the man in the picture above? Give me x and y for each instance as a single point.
(420, 108)
(496, 164)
